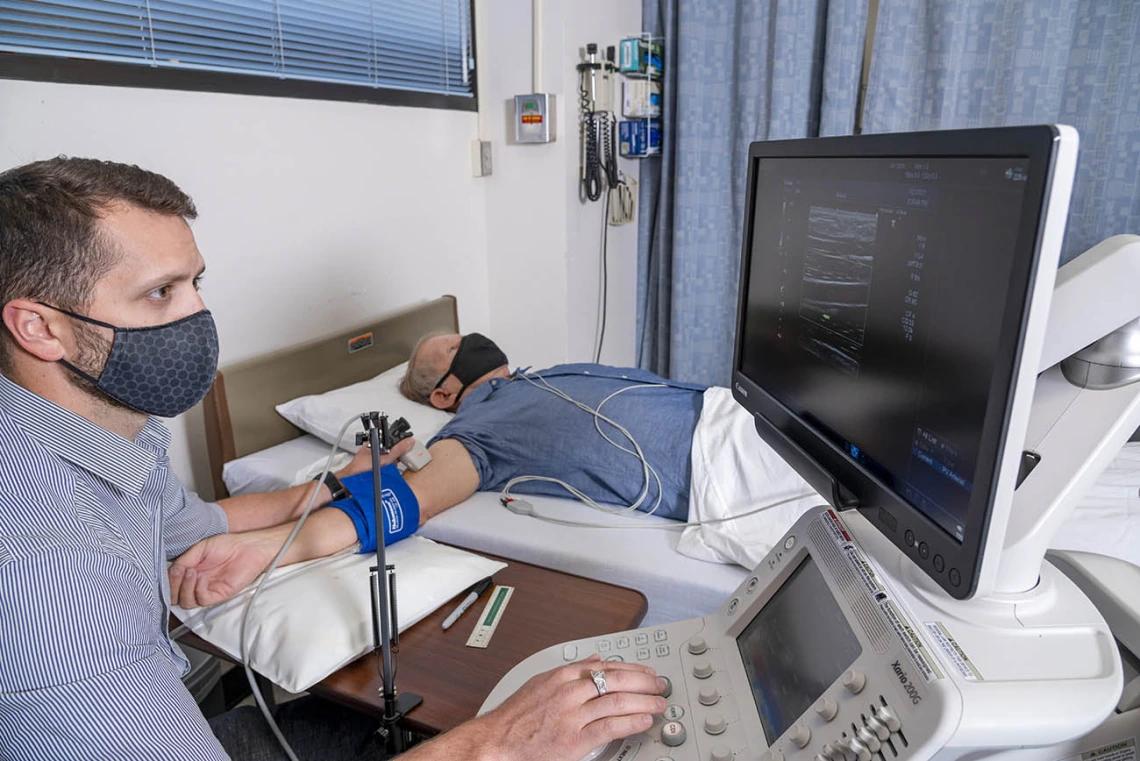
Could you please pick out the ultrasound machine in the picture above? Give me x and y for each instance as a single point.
(895, 344)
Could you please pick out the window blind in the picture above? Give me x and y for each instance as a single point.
(415, 45)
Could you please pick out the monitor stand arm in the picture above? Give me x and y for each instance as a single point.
(1086, 404)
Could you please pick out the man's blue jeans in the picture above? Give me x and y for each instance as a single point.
(315, 728)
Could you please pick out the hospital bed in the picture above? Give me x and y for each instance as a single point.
(265, 452)
(243, 426)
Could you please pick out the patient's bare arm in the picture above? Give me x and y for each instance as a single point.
(446, 481)
(217, 568)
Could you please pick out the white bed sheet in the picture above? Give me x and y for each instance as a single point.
(677, 587)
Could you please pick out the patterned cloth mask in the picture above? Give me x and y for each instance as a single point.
(161, 370)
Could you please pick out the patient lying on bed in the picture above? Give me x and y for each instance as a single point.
(539, 423)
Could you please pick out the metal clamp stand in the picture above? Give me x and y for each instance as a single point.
(385, 624)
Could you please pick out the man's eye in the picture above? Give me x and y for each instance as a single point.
(160, 293)
(198, 283)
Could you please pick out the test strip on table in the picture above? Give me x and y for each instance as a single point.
(490, 617)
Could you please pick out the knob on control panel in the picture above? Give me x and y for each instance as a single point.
(826, 708)
(708, 696)
(772, 755)
(697, 645)
(868, 738)
(861, 751)
(889, 718)
(715, 724)
(831, 753)
(879, 728)
(800, 735)
(668, 687)
(721, 753)
(702, 668)
(673, 733)
(854, 681)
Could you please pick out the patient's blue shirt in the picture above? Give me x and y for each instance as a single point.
(515, 428)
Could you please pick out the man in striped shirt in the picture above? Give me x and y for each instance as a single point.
(103, 330)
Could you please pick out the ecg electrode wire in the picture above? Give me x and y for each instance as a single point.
(649, 474)
(672, 525)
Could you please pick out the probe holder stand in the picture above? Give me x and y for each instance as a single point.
(385, 623)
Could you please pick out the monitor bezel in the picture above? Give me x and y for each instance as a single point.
(841, 480)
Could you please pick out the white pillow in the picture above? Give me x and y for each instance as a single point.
(284, 644)
(735, 472)
(323, 414)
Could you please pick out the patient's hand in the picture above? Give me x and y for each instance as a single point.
(363, 459)
(217, 568)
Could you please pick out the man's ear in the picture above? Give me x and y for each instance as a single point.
(36, 329)
(441, 399)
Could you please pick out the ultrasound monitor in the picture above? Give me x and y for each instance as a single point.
(894, 290)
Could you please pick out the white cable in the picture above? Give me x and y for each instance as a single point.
(528, 509)
(648, 471)
(257, 696)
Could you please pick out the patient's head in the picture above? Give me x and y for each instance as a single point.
(445, 366)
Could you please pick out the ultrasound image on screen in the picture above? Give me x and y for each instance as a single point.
(795, 648)
(872, 293)
(837, 284)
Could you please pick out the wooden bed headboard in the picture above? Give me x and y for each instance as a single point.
(239, 409)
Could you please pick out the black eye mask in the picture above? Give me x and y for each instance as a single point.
(476, 356)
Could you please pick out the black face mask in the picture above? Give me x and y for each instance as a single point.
(476, 356)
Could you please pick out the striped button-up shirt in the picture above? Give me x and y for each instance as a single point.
(87, 521)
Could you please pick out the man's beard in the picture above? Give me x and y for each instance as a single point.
(92, 353)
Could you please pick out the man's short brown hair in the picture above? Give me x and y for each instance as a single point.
(51, 247)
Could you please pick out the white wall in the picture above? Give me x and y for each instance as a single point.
(543, 244)
(319, 215)
(314, 215)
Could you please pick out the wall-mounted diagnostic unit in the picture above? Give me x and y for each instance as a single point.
(534, 118)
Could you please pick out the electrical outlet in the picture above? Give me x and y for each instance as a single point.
(481, 158)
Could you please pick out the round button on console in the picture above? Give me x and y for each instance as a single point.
(674, 712)
(826, 708)
(673, 733)
(939, 564)
(800, 735)
(955, 577)
(697, 645)
(702, 668)
(708, 696)
(715, 724)
(923, 550)
(854, 681)
(720, 753)
(790, 542)
(909, 538)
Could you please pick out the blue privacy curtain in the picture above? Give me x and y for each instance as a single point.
(939, 64)
(735, 71)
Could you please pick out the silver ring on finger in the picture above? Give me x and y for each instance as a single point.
(599, 678)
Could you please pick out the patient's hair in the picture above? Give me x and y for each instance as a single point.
(420, 380)
(52, 248)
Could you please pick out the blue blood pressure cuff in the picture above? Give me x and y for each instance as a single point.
(401, 508)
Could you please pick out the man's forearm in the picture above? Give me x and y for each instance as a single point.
(250, 512)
